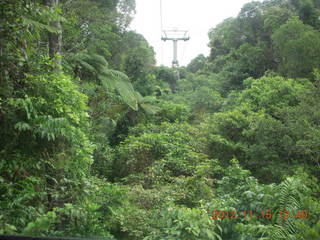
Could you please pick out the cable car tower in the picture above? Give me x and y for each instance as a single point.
(175, 35)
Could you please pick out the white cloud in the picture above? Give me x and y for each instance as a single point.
(197, 16)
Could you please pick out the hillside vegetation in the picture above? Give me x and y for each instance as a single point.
(97, 141)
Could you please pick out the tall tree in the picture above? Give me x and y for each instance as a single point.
(55, 39)
(297, 46)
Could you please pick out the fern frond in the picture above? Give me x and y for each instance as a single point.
(39, 25)
(290, 201)
(87, 67)
(113, 79)
(148, 108)
(115, 74)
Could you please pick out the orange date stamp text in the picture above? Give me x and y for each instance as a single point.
(263, 214)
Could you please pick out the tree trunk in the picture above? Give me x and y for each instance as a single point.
(55, 39)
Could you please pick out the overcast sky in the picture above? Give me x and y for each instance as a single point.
(197, 16)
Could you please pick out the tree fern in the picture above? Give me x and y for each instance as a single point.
(96, 67)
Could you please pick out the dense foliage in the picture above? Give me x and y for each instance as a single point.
(97, 141)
